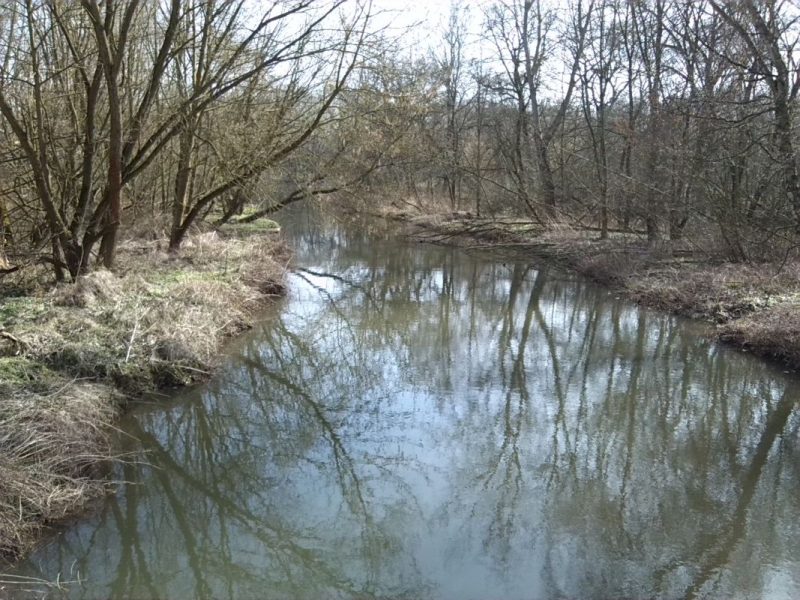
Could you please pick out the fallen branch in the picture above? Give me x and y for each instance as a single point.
(18, 343)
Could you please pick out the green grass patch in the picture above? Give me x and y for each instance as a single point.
(21, 308)
(262, 225)
(249, 211)
(20, 373)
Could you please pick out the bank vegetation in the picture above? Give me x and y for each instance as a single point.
(142, 145)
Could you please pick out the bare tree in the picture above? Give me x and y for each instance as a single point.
(648, 23)
(600, 89)
(214, 62)
(770, 36)
(451, 61)
(534, 31)
(56, 41)
(523, 32)
(97, 95)
(504, 24)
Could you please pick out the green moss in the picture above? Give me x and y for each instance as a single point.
(249, 211)
(132, 378)
(23, 308)
(166, 374)
(20, 372)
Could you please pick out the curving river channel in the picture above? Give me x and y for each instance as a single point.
(424, 422)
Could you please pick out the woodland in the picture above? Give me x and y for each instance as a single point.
(666, 119)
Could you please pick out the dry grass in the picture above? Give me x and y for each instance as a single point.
(755, 305)
(718, 293)
(773, 332)
(161, 320)
(612, 267)
(73, 351)
(52, 446)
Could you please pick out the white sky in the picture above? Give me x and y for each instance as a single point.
(427, 20)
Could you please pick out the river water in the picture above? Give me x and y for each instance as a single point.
(424, 422)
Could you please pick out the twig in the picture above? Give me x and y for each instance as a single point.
(20, 345)
(130, 341)
(196, 370)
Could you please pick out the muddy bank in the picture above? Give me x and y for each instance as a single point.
(753, 306)
(72, 356)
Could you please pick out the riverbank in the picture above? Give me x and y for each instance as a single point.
(72, 356)
(753, 306)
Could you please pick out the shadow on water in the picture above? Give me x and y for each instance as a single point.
(417, 422)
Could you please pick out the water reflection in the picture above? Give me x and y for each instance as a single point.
(419, 423)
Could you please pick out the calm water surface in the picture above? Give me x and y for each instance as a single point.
(420, 422)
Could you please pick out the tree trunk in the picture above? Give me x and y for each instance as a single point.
(111, 52)
(4, 235)
(788, 158)
(547, 186)
(182, 178)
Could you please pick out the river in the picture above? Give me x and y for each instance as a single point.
(424, 422)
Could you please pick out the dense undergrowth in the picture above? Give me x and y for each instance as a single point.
(72, 355)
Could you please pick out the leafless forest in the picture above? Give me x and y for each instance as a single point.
(665, 119)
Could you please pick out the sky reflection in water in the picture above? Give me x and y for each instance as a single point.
(419, 422)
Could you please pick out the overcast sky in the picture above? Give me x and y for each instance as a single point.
(427, 20)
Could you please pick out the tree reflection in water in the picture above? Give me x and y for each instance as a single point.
(417, 422)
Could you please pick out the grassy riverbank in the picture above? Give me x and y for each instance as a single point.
(754, 306)
(71, 356)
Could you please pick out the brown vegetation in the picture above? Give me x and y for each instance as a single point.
(774, 331)
(52, 447)
(73, 354)
(755, 306)
(174, 110)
